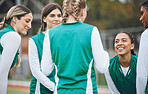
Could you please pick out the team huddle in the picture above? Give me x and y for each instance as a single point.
(66, 51)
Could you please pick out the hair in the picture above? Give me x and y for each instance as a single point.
(46, 10)
(18, 11)
(132, 40)
(73, 7)
(145, 3)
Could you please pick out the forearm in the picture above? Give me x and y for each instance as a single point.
(100, 56)
(35, 67)
(110, 83)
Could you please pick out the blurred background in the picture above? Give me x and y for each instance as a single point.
(110, 16)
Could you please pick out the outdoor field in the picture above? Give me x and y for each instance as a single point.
(18, 87)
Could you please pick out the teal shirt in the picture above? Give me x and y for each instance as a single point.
(124, 84)
(7, 29)
(70, 45)
(38, 39)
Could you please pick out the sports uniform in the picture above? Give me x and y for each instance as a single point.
(74, 48)
(9, 44)
(122, 80)
(35, 56)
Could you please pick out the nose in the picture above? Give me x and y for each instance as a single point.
(56, 18)
(120, 43)
(29, 25)
(140, 19)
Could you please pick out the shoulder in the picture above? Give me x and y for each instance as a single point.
(88, 25)
(11, 38)
(112, 59)
(145, 33)
(135, 58)
(35, 36)
(12, 35)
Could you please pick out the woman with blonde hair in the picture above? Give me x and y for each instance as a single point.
(74, 48)
(51, 16)
(16, 22)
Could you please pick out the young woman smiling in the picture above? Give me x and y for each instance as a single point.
(121, 76)
(17, 21)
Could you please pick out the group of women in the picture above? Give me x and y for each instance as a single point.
(63, 54)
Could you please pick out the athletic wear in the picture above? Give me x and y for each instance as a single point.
(35, 56)
(125, 84)
(74, 48)
(9, 44)
(142, 65)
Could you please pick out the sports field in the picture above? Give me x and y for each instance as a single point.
(22, 87)
(16, 91)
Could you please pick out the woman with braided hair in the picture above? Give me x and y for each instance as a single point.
(74, 48)
(17, 21)
(121, 76)
(51, 16)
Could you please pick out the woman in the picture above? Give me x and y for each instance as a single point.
(74, 48)
(17, 21)
(121, 77)
(142, 63)
(51, 16)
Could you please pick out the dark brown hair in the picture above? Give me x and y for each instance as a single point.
(46, 10)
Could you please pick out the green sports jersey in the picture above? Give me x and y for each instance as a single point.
(124, 84)
(70, 45)
(7, 29)
(38, 39)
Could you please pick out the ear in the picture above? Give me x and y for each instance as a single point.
(14, 19)
(44, 19)
(82, 12)
(132, 46)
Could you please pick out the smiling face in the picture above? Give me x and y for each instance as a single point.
(23, 24)
(54, 18)
(144, 16)
(123, 44)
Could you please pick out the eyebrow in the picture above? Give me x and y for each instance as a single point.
(122, 38)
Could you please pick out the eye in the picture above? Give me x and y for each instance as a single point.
(141, 12)
(27, 21)
(116, 41)
(59, 15)
(124, 40)
(52, 15)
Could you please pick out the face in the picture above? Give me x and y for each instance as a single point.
(123, 44)
(23, 24)
(144, 16)
(54, 18)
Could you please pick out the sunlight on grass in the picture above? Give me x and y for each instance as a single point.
(15, 91)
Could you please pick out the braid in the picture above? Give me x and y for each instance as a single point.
(65, 10)
(73, 7)
(76, 10)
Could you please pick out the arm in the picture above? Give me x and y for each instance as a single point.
(101, 57)
(111, 84)
(47, 64)
(35, 67)
(10, 43)
(142, 64)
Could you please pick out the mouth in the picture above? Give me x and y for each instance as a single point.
(120, 48)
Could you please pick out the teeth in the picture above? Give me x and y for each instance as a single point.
(120, 48)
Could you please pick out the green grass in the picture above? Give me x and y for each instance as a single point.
(15, 91)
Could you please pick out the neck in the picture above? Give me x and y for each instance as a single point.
(125, 60)
(71, 19)
(14, 27)
(46, 30)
